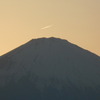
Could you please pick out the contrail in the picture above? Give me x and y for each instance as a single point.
(46, 27)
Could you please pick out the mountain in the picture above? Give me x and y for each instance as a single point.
(49, 69)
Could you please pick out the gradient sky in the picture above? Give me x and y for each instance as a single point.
(77, 21)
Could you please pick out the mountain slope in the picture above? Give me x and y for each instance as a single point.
(50, 69)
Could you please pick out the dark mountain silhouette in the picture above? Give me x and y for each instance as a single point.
(49, 69)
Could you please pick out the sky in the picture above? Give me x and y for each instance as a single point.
(77, 21)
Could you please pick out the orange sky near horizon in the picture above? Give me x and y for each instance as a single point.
(77, 21)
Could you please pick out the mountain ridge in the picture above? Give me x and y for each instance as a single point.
(51, 38)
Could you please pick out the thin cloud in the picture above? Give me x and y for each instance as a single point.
(46, 27)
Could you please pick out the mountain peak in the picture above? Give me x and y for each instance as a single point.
(50, 63)
(50, 39)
